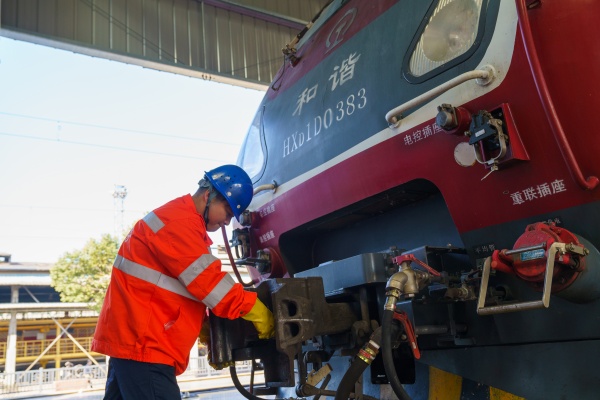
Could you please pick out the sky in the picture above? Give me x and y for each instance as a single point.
(74, 128)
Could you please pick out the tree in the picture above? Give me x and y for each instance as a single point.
(83, 275)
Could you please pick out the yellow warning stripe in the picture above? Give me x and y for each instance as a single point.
(444, 385)
(447, 386)
(497, 394)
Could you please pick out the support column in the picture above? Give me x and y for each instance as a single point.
(11, 342)
(58, 357)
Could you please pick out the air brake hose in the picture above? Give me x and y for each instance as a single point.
(350, 377)
(238, 385)
(358, 366)
(388, 359)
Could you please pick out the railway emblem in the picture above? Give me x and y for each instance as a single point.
(336, 35)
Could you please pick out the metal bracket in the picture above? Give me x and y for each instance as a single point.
(315, 377)
(526, 305)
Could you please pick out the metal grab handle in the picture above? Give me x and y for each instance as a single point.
(525, 305)
(269, 186)
(484, 77)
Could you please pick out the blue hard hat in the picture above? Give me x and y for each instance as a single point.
(235, 186)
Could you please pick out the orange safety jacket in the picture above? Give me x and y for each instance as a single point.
(162, 281)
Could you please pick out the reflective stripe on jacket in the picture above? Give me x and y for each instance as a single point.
(162, 281)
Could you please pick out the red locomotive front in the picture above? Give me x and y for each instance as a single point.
(432, 166)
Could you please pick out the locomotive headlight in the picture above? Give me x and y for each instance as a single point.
(450, 32)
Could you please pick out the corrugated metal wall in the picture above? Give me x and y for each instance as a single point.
(220, 40)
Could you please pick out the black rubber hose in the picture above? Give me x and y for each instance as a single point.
(240, 388)
(388, 358)
(356, 369)
(350, 377)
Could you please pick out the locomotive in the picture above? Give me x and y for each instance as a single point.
(426, 196)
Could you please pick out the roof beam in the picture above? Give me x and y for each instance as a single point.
(258, 13)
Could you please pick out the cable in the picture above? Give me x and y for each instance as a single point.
(65, 208)
(49, 237)
(112, 147)
(64, 122)
(136, 35)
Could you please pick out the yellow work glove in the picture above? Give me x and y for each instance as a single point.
(262, 318)
(204, 336)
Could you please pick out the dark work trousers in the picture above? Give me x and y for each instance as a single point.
(135, 380)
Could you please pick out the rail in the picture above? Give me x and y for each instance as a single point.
(484, 76)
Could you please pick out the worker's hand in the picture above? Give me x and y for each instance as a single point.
(262, 318)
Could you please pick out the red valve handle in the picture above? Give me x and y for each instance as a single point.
(410, 332)
(411, 257)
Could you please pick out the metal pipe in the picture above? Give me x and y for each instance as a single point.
(507, 308)
(438, 329)
(591, 182)
(525, 249)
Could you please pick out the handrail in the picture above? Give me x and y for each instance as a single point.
(269, 186)
(26, 349)
(556, 247)
(590, 182)
(484, 75)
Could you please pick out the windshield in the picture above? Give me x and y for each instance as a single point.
(252, 158)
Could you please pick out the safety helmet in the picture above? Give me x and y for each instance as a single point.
(235, 186)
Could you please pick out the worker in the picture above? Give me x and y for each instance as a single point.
(162, 281)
